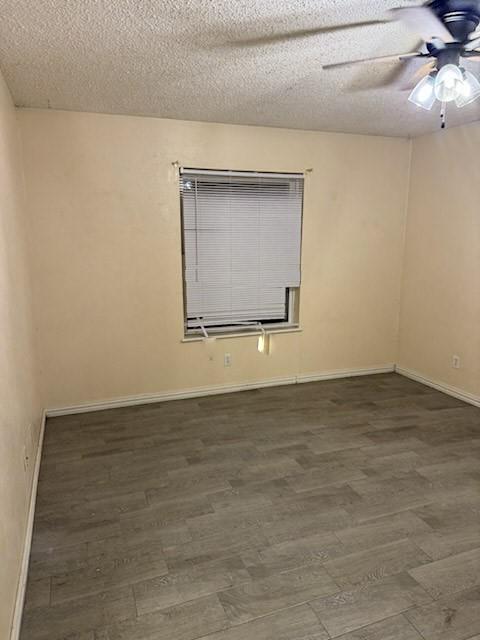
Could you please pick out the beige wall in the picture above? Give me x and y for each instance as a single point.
(441, 289)
(19, 401)
(104, 208)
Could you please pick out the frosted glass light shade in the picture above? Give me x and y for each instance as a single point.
(448, 83)
(423, 95)
(470, 89)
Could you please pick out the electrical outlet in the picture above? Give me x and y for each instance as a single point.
(227, 360)
(456, 362)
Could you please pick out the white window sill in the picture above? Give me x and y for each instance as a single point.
(243, 334)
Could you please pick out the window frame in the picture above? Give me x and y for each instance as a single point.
(291, 323)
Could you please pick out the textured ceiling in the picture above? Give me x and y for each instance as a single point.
(182, 59)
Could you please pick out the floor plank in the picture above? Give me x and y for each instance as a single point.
(364, 567)
(80, 615)
(295, 623)
(348, 610)
(189, 583)
(183, 622)
(395, 628)
(454, 618)
(455, 573)
(259, 597)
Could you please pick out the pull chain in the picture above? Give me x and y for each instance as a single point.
(443, 115)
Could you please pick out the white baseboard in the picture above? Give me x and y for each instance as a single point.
(130, 401)
(440, 386)
(344, 373)
(22, 581)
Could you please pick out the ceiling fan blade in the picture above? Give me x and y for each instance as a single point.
(424, 70)
(394, 58)
(405, 76)
(400, 76)
(472, 44)
(424, 22)
(412, 77)
(304, 33)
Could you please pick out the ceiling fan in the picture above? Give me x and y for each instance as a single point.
(448, 29)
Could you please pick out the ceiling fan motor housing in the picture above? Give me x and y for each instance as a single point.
(461, 17)
(449, 54)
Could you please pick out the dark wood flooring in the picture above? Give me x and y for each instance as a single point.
(343, 509)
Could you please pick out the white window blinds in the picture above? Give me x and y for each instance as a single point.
(241, 237)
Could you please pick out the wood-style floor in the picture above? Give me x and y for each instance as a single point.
(348, 508)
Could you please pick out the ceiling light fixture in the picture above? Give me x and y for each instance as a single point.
(423, 94)
(470, 89)
(450, 83)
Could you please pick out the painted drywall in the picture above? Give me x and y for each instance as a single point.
(440, 312)
(104, 207)
(19, 400)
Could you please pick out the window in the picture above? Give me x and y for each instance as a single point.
(241, 249)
